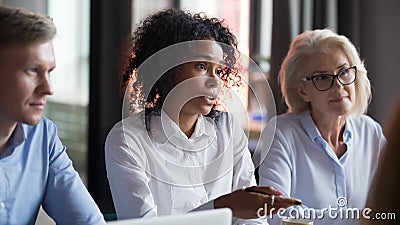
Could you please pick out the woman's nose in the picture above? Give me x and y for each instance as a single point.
(212, 82)
(336, 84)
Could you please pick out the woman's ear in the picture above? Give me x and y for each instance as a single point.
(303, 93)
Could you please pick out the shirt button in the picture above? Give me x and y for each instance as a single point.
(2, 205)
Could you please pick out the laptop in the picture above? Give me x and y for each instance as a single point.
(221, 216)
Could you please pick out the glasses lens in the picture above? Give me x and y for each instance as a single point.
(322, 81)
(347, 76)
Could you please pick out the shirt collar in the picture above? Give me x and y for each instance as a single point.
(164, 129)
(312, 131)
(19, 135)
(347, 133)
(309, 126)
(204, 126)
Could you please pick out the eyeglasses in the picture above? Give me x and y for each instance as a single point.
(324, 82)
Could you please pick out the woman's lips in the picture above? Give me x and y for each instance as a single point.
(210, 100)
(338, 99)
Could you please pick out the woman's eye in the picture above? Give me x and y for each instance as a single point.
(321, 77)
(344, 72)
(201, 66)
(219, 72)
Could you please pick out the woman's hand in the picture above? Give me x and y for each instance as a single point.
(251, 202)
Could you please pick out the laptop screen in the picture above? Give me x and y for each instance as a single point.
(214, 216)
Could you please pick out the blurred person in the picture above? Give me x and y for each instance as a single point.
(34, 167)
(177, 153)
(383, 198)
(325, 150)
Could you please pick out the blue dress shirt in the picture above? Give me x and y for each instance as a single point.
(301, 164)
(35, 170)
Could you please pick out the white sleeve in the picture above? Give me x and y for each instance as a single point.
(243, 168)
(127, 177)
(276, 168)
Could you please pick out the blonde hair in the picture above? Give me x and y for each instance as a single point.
(316, 41)
(20, 26)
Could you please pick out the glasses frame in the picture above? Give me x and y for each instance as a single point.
(333, 78)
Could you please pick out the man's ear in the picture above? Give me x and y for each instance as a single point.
(303, 93)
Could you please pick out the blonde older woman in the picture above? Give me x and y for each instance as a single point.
(325, 150)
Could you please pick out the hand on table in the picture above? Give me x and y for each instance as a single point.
(246, 203)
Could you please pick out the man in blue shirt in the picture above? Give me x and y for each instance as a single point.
(34, 168)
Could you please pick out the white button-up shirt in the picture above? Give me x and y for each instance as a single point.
(301, 164)
(160, 171)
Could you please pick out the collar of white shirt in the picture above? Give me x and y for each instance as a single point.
(164, 129)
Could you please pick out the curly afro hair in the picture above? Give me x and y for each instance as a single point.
(164, 29)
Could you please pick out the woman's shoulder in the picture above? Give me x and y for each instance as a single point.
(289, 120)
(366, 124)
(289, 116)
(131, 124)
(126, 142)
(365, 121)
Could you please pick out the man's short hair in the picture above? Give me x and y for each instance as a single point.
(20, 26)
